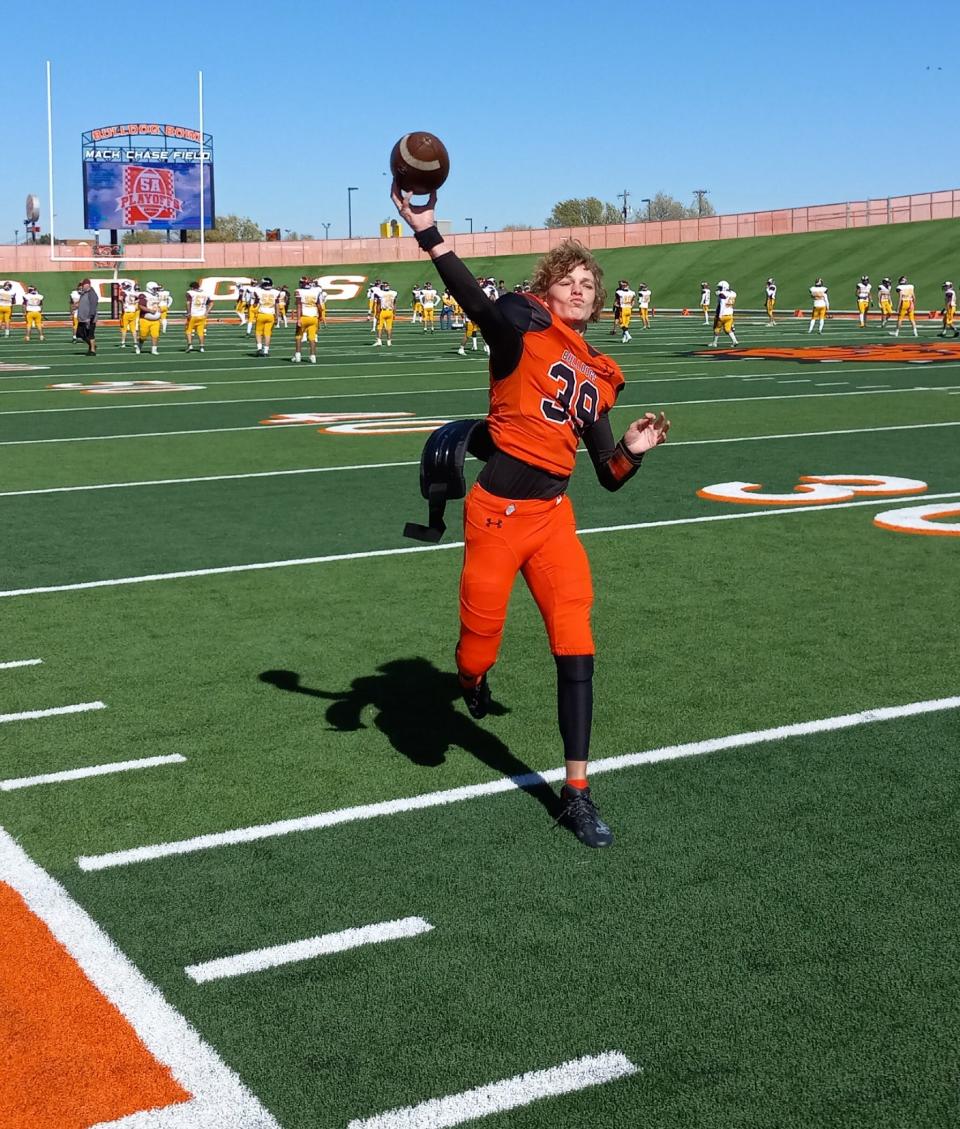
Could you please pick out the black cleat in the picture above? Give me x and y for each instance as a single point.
(478, 698)
(580, 814)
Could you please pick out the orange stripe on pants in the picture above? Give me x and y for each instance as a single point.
(539, 540)
(69, 1058)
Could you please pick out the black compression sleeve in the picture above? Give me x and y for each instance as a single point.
(613, 462)
(504, 339)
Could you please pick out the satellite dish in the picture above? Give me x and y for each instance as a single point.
(33, 208)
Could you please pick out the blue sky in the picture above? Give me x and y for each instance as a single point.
(771, 106)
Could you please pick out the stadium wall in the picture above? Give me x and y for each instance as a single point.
(922, 206)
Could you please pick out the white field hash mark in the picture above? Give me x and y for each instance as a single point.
(20, 662)
(496, 1097)
(322, 820)
(16, 782)
(29, 715)
(220, 1099)
(259, 959)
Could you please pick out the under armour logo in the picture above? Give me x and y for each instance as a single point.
(498, 522)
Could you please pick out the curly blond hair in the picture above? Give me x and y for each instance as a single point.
(559, 262)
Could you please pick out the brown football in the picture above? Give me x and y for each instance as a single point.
(419, 163)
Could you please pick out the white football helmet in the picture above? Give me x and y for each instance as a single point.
(153, 287)
(723, 284)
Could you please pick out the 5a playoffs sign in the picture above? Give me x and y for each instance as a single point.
(148, 194)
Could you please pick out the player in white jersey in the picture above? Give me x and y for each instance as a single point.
(307, 298)
(949, 311)
(198, 307)
(821, 304)
(321, 304)
(643, 301)
(166, 301)
(250, 307)
(74, 316)
(705, 302)
(417, 304)
(7, 302)
(906, 305)
(624, 299)
(864, 287)
(428, 304)
(770, 300)
(129, 312)
(884, 291)
(723, 317)
(149, 322)
(33, 312)
(386, 299)
(268, 304)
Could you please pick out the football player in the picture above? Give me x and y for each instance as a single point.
(74, 316)
(906, 305)
(250, 306)
(166, 301)
(307, 297)
(268, 302)
(949, 311)
(129, 311)
(624, 302)
(417, 304)
(428, 304)
(770, 300)
(446, 309)
(705, 302)
(864, 287)
(615, 309)
(821, 303)
(198, 308)
(7, 300)
(518, 517)
(321, 304)
(387, 305)
(723, 315)
(884, 290)
(33, 311)
(149, 320)
(643, 299)
(283, 304)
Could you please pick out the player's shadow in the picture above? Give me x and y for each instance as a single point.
(418, 709)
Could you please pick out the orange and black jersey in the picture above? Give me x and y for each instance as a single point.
(548, 389)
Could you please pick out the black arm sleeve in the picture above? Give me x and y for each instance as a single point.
(613, 462)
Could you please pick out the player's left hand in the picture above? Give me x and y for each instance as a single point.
(647, 432)
(418, 216)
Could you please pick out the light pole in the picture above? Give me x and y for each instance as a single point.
(646, 201)
(700, 193)
(625, 197)
(469, 220)
(326, 230)
(350, 212)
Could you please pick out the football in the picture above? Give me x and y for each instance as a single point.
(419, 163)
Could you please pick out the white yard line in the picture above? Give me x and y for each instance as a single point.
(20, 662)
(416, 462)
(259, 959)
(220, 1099)
(509, 1093)
(326, 819)
(17, 782)
(29, 715)
(405, 550)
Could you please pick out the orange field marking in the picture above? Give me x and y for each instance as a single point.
(73, 1060)
(899, 352)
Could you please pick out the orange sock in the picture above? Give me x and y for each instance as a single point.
(580, 784)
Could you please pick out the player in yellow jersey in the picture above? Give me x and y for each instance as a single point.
(149, 321)
(33, 311)
(705, 302)
(387, 305)
(864, 287)
(821, 304)
(723, 316)
(624, 303)
(906, 305)
(884, 289)
(198, 307)
(643, 300)
(7, 302)
(428, 304)
(268, 302)
(307, 298)
(949, 311)
(129, 312)
(770, 300)
(74, 316)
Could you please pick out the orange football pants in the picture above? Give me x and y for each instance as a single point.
(535, 538)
